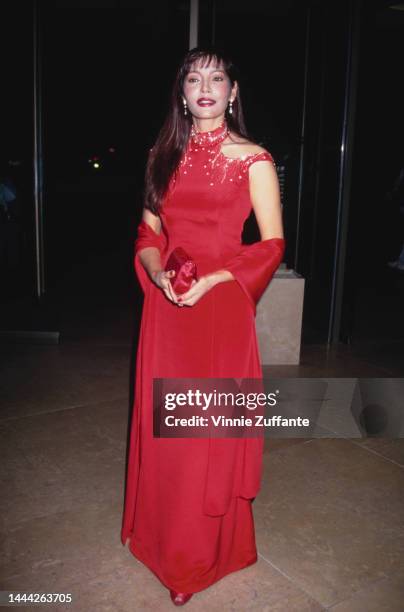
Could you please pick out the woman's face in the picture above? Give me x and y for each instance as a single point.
(207, 90)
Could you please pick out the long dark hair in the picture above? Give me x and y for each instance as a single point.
(173, 137)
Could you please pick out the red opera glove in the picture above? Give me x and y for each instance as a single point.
(254, 266)
(146, 237)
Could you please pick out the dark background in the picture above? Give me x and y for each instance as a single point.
(107, 69)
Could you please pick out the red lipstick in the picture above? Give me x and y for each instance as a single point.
(205, 102)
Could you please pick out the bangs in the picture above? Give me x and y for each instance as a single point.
(203, 59)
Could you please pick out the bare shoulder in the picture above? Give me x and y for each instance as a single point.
(235, 146)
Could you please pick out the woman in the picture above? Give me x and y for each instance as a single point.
(188, 501)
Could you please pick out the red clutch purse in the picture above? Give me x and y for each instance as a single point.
(185, 270)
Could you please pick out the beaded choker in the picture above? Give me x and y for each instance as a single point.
(212, 137)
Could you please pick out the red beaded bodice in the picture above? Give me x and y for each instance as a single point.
(208, 200)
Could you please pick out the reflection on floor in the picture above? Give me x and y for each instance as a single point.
(329, 517)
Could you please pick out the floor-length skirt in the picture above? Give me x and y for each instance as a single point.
(188, 503)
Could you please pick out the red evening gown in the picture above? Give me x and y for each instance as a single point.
(188, 501)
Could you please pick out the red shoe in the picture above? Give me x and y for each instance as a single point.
(179, 599)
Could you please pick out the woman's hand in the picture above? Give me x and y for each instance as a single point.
(161, 278)
(197, 290)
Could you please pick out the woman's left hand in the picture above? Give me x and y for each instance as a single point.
(197, 290)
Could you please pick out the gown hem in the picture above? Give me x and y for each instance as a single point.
(180, 589)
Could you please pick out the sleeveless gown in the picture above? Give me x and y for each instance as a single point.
(188, 501)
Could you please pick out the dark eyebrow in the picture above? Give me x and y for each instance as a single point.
(215, 70)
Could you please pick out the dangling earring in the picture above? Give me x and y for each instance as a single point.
(185, 107)
(230, 107)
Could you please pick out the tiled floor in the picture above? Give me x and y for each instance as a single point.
(329, 518)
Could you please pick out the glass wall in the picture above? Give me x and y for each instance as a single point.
(105, 69)
(319, 231)
(17, 227)
(374, 289)
(108, 68)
